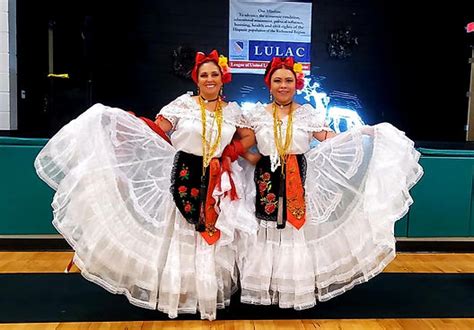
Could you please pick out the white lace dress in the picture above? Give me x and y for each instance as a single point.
(356, 188)
(113, 205)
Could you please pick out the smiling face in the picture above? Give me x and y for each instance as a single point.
(209, 80)
(283, 85)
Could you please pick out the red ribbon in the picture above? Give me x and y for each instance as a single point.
(157, 129)
(233, 150)
(200, 59)
(211, 234)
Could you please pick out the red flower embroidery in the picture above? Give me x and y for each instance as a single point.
(188, 208)
(194, 192)
(182, 190)
(271, 197)
(268, 199)
(184, 173)
(270, 208)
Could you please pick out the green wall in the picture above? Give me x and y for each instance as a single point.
(443, 204)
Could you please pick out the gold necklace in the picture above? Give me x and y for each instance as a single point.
(209, 147)
(281, 147)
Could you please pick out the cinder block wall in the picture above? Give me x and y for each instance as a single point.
(8, 118)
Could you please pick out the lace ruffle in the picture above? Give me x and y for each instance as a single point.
(185, 107)
(305, 118)
(113, 206)
(356, 188)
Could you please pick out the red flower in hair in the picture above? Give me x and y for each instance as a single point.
(226, 77)
(299, 82)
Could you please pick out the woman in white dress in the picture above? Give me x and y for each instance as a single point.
(326, 215)
(148, 219)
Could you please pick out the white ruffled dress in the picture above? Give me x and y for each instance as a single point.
(113, 205)
(356, 188)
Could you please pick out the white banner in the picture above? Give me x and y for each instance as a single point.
(259, 31)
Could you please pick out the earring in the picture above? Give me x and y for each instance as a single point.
(221, 92)
(271, 97)
(198, 91)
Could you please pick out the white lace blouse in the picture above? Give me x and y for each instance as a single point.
(185, 116)
(306, 120)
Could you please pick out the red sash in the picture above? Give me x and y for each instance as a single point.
(295, 203)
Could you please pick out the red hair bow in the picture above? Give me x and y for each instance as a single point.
(280, 62)
(201, 57)
(211, 57)
(285, 62)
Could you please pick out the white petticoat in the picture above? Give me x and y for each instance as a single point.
(113, 205)
(356, 188)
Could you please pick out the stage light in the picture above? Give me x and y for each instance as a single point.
(313, 93)
(339, 118)
(342, 119)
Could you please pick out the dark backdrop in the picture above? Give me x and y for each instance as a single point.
(410, 67)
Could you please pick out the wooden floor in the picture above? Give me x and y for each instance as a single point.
(416, 324)
(54, 262)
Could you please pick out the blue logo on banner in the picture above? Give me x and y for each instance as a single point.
(239, 46)
(265, 50)
(238, 49)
